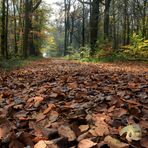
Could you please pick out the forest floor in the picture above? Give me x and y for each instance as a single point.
(58, 103)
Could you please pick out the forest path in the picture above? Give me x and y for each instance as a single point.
(51, 99)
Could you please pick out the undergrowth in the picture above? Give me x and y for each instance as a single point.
(16, 62)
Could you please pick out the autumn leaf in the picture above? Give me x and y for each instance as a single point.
(45, 144)
(115, 143)
(67, 132)
(133, 132)
(50, 107)
(83, 128)
(53, 116)
(40, 117)
(86, 143)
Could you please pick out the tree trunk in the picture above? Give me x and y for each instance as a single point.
(114, 42)
(72, 28)
(94, 26)
(83, 26)
(15, 34)
(6, 30)
(3, 29)
(26, 29)
(106, 19)
(31, 44)
(144, 19)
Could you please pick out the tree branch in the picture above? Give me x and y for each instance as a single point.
(37, 5)
(85, 2)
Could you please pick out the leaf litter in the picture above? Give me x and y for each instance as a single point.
(58, 103)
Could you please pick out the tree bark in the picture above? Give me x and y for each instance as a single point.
(83, 25)
(3, 29)
(26, 30)
(6, 30)
(106, 19)
(94, 26)
(15, 27)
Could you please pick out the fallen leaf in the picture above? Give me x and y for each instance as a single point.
(53, 116)
(100, 130)
(144, 124)
(45, 144)
(115, 143)
(50, 107)
(133, 132)
(83, 128)
(16, 144)
(144, 141)
(25, 138)
(5, 129)
(37, 101)
(67, 132)
(40, 117)
(86, 143)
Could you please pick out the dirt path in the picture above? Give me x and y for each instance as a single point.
(73, 104)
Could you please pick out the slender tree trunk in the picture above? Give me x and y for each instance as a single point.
(83, 25)
(26, 29)
(31, 35)
(106, 19)
(128, 30)
(72, 28)
(144, 19)
(90, 7)
(114, 42)
(65, 38)
(94, 26)
(15, 27)
(3, 29)
(6, 30)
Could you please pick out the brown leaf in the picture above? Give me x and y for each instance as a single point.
(25, 138)
(118, 112)
(72, 85)
(100, 128)
(144, 141)
(83, 128)
(40, 117)
(45, 144)
(53, 116)
(115, 143)
(50, 107)
(144, 124)
(5, 128)
(37, 101)
(16, 144)
(86, 143)
(67, 132)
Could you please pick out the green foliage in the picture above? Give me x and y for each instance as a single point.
(11, 63)
(138, 47)
(16, 62)
(78, 54)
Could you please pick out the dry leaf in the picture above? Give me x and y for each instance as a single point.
(83, 128)
(40, 117)
(50, 107)
(86, 143)
(53, 116)
(5, 129)
(144, 141)
(16, 144)
(133, 132)
(67, 132)
(45, 144)
(115, 143)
